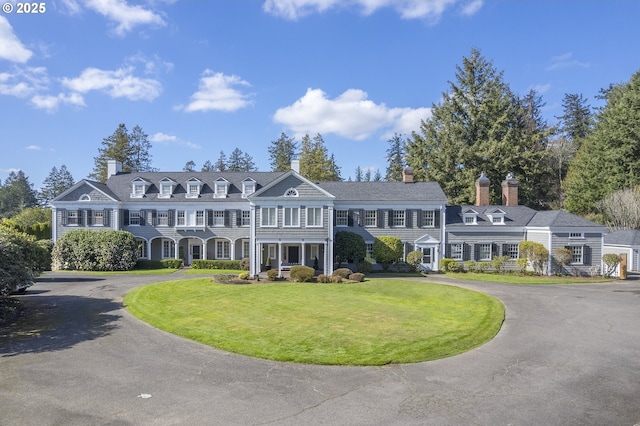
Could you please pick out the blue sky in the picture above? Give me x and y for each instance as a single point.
(204, 76)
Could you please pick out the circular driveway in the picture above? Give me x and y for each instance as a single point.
(566, 355)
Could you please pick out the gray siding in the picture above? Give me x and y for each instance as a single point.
(303, 188)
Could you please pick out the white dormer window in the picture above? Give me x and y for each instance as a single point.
(166, 188)
(139, 188)
(496, 217)
(221, 187)
(291, 192)
(248, 187)
(193, 188)
(470, 217)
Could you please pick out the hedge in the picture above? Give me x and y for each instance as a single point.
(216, 264)
(85, 250)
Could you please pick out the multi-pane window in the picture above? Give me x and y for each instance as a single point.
(469, 219)
(314, 216)
(456, 251)
(142, 248)
(165, 190)
(497, 219)
(193, 190)
(181, 218)
(245, 248)
(246, 218)
(218, 218)
(428, 218)
(163, 218)
(268, 216)
(97, 217)
(138, 190)
(220, 189)
(369, 250)
(222, 249)
(577, 255)
(134, 217)
(576, 235)
(168, 249)
(73, 217)
(291, 216)
(342, 218)
(484, 251)
(398, 218)
(370, 217)
(426, 255)
(314, 251)
(511, 250)
(200, 218)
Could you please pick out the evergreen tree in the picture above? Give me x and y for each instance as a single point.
(315, 163)
(221, 164)
(234, 163)
(281, 152)
(132, 150)
(367, 175)
(479, 126)
(395, 157)
(609, 157)
(247, 163)
(190, 166)
(576, 122)
(16, 194)
(55, 184)
(358, 177)
(207, 167)
(377, 176)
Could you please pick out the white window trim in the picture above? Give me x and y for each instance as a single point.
(581, 262)
(262, 217)
(472, 216)
(291, 192)
(397, 217)
(191, 185)
(426, 219)
(454, 254)
(163, 187)
(345, 218)
(218, 218)
(138, 190)
(165, 215)
(375, 219)
(293, 217)
(245, 218)
(135, 213)
(576, 235)
(93, 217)
(315, 225)
(485, 259)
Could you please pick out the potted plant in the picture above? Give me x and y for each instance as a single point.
(267, 264)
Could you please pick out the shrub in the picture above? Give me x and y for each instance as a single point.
(229, 279)
(342, 272)
(470, 266)
(243, 275)
(357, 277)
(301, 274)
(482, 267)
(521, 265)
(172, 263)
(446, 264)
(85, 250)
(562, 256)
(414, 259)
(245, 264)
(336, 279)
(150, 264)
(499, 263)
(322, 278)
(535, 253)
(365, 267)
(611, 261)
(20, 260)
(387, 250)
(216, 264)
(272, 275)
(348, 246)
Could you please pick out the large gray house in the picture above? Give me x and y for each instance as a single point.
(288, 219)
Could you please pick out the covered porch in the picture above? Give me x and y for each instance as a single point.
(283, 254)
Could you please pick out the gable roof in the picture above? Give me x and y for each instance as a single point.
(426, 192)
(560, 218)
(514, 216)
(98, 186)
(625, 237)
(291, 175)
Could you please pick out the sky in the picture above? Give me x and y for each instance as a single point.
(201, 77)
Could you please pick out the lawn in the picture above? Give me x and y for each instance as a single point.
(377, 322)
(525, 279)
(212, 271)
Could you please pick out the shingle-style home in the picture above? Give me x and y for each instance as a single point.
(288, 219)
(626, 242)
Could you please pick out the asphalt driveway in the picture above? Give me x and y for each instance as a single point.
(566, 355)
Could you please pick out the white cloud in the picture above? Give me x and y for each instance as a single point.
(51, 103)
(351, 115)
(22, 82)
(163, 138)
(407, 9)
(217, 91)
(11, 48)
(120, 83)
(566, 60)
(33, 148)
(124, 15)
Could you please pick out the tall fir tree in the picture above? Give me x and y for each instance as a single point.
(207, 167)
(576, 121)
(479, 126)
(281, 152)
(609, 157)
(55, 184)
(315, 162)
(221, 163)
(395, 158)
(358, 176)
(16, 194)
(234, 162)
(132, 150)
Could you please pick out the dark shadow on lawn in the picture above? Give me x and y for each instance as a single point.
(53, 323)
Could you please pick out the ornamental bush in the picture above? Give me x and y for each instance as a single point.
(387, 250)
(499, 263)
(216, 264)
(342, 272)
(611, 261)
(272, 275)
(322, 278)
(536, 254)
(448, 265)
(301, 274)
(357, 277)
(22, 259)
(348, 246)
(414, 259)
(365, 267)
(85, 250)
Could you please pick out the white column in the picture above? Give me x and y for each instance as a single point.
(279, 260)
(303, 253)
(232, 250)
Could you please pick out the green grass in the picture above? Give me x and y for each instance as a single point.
(160, 271)
(213, 271)
(377, 322)
(524, 279)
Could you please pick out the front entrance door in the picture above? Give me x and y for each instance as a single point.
(293, 255)
(427, 257)
(196, 252)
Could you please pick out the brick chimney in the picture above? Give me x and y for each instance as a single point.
(482, 190)
(407, 175)
(510, 191)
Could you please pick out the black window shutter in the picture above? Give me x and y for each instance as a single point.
(238, 217)
(106, 219)
(408, 219)
(143, 217)
(586, 250)
(209, 217)
(227, 218)
(436, 218)
(63, 214)
(154, 217)
(389, 218)
(447, 251)
(125, 217)
(170, 218)
(89, 217)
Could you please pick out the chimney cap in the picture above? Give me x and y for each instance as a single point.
(483, 178)
(510, 176)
